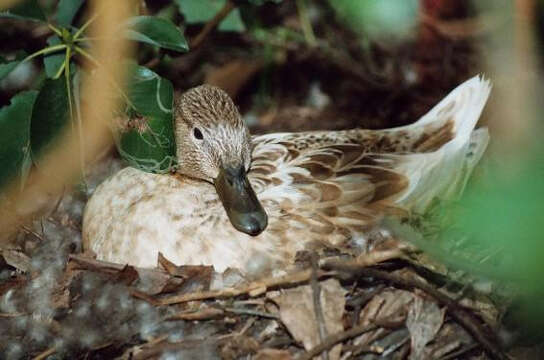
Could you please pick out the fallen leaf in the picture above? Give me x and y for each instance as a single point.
(424, 321)
(298, 314)
(17, 259)
(195, 277)
(383, 306)
(127, 275)
(273, 354)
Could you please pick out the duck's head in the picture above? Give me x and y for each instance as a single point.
(213, 144)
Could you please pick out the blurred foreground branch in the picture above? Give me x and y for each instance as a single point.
(61, 166)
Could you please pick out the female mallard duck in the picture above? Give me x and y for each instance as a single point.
(252, 202)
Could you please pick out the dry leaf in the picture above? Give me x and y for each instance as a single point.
(273, 354)
(382, 306)
(424, 321)
(298, 315)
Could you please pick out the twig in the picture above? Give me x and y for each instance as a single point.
(461, 315)
(252, 313)
(212, 24)
(458, 353)
(255, 288)
(11, 315)
(316, 295)
(45, 354)
(368, 259)
(334, 339)
(32, 232)
(309, 35)
(205, 314)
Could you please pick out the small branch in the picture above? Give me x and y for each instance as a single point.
(318, 310)
(250, 312)
(205, 314)
(255, 288)
(45, 354)
(307, 29)
(334, 339)
(11, 315)
(212, 24)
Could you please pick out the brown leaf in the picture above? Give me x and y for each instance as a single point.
(195, 277)
(424, 321)
(126, 275)
(17, 259)
(298, 315)
(381, 308)
(273, 354)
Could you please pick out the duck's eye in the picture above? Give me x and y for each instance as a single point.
(198, 134)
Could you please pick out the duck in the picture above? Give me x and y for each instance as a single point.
(252, 202)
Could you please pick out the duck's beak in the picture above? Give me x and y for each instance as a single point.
(244, 210)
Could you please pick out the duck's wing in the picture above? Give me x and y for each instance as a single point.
(337, 181)
(329, 189)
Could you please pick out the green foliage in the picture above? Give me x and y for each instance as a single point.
(8, 66)
(156, 31)
(25, 10)
(262, 2)
(198, 11)
(67, 10)
(147, 142)
(54, 61)
(378, 18)
(15, 138)
(50, 115)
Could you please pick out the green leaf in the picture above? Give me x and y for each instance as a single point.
(148, 141)
(15, 136)
(54, 61)
(151, 148)
(50, 115)
(156, 31)
(261, 2)
(8, 66)
(378, 18)
(197, 11)
(67, 10)
(26, 10)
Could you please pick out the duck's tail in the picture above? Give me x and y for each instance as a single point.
(444, 171)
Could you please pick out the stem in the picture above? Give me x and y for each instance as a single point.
(85, 26)
(46, 50)
(61, 69)
(86, 55)
(55, 30)
(68, 87)
(212, 24)
(306, 24)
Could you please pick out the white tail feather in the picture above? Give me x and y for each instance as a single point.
(445, 172)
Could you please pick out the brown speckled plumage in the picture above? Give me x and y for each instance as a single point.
(325, 187)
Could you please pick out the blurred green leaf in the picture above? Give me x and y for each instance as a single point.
(50, 115)
(53, 62)
(25, 10)
(67, 10)
(15, 139)
(198, 11)
(156, 31)
(149, 93)
(8, 66)
(147, 141)
(261, 2)
(378, 18)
